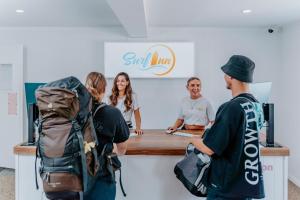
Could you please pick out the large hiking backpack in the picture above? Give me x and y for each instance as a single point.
(67, 139)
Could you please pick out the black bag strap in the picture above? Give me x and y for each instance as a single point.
(93, 130)
(121, 184)
(245, 98)
(35, 168)
(80, 195)
(37, 151)
(83, 160)
(98, 108)
(103, 150)
(82, 154)
(101, 105)
(92, 122)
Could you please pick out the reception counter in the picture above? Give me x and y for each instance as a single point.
(148, 165)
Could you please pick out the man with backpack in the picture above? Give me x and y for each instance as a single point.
(233, 140)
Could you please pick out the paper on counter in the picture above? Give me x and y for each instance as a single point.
(133, 135)
(183, 134)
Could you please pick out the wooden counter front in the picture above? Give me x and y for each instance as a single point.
(157, 142)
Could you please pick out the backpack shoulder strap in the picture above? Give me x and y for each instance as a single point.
(244, 98)
(103, 150)
(98, 108)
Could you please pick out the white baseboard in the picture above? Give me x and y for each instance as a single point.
(295, 180)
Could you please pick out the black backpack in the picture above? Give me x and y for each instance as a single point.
(67, 139)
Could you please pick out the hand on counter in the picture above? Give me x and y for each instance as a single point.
(138, 131)
(171, 130)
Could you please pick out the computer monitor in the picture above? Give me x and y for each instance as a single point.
(261, 91)
(32, 109)
(30, 93)
(33, 114)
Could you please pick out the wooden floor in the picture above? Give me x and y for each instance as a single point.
(7, 186)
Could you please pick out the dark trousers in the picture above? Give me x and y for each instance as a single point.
(102, 190)
(217, 197)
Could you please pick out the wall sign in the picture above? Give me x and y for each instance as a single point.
(149, 60)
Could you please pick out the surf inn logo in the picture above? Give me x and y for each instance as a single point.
(159, 60)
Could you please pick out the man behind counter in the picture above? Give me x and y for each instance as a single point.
(195, 111)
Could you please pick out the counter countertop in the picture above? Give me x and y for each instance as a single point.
(157, 142)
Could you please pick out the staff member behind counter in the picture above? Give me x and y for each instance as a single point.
(195, 111)
(123, 98)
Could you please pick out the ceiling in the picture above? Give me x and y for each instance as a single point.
(67, 13)
(222, 12)
(148, 13)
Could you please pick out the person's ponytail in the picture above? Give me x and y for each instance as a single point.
(95, 84)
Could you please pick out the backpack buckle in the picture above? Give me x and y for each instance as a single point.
(75, 125)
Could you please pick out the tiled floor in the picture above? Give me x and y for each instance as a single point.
(294, 191)
(7, 186)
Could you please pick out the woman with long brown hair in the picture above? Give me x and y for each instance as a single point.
(123, 98)
(112, 132)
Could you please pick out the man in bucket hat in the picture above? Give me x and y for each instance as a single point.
(233, 140)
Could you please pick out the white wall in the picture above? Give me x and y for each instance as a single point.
(290, 98)
(53, 53)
